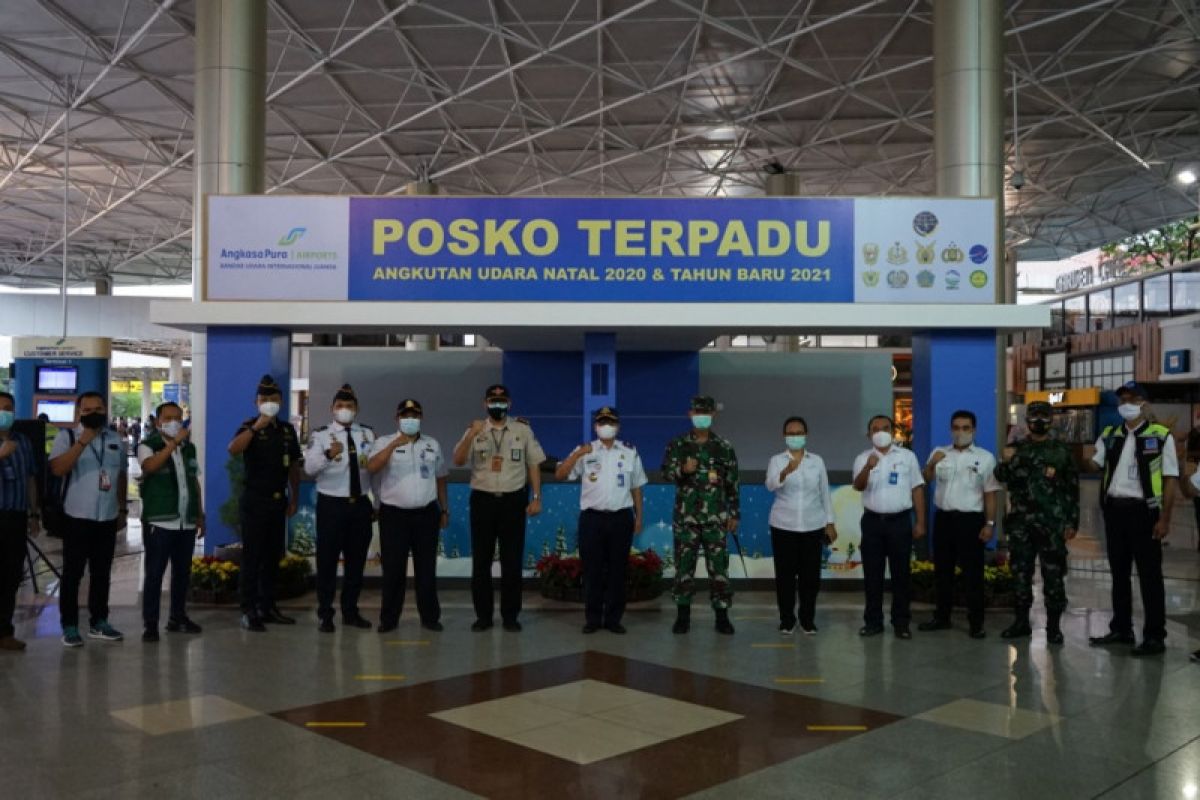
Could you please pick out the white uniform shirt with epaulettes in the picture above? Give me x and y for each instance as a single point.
(410, 478)
(500, 457)
(608, 476)
(333, 475)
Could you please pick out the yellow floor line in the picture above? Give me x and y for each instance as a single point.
(775, 645)
(335, 724)
(378, 677)
(799, 680)
(408, 643)
(819, 728)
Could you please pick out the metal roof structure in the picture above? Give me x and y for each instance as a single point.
(580, 97)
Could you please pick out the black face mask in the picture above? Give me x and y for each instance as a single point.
(95, 421)
(1039, 426)
(497, 413)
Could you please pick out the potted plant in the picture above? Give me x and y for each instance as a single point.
(998, 584)
(294, 578)
(560, 577)
(230, 511)
(213, 580)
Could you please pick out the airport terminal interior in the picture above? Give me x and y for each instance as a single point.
(881, 317)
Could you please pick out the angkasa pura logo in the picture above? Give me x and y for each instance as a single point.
(292, 237)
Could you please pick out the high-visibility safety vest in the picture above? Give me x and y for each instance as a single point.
(1150, 439)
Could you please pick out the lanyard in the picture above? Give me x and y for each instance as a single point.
(498, 442)
(99, 455)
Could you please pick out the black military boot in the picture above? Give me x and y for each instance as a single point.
(723, 624)
(1020, 627)
(683, 619)
(1054, 634)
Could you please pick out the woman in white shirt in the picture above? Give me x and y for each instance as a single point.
(801, 523)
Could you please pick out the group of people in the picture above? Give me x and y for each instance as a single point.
(400, 479)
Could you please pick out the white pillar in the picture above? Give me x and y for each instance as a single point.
(229, 126)
(147, 393)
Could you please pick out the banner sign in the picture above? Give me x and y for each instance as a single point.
(622, 250)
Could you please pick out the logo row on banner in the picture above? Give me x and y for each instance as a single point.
(626, 250)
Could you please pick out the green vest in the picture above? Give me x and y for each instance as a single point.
(1150, 441)
(160, 490)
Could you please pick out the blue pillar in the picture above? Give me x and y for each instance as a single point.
(953, 370)
(599, 376)
(237, 358)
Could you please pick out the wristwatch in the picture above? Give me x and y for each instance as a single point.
(991, 523)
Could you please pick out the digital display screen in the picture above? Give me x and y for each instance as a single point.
(57, 379)
(56, 410)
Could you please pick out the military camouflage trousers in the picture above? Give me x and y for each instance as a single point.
(1026, 545)
(690, 542)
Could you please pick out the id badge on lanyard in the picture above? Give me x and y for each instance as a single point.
(104, 481)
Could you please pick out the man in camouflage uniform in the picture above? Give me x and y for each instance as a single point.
(1043, 486)
(704, 469)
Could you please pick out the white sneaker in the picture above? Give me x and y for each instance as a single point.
(786, 630)
(809, 630)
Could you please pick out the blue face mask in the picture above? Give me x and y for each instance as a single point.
(795, 442)
(702, 422)
(6, 420)
(410, 426)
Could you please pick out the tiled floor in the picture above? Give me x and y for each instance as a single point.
(553, 713)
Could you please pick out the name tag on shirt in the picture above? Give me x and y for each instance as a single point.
(620, 480)
(893, 478)
(425, 472)
(516, 454)
(1151, 445)
(105, 481)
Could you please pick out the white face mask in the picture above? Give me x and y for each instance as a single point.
(881, 439)
(344, 415)
(1129, 411)
(606, 432)
(410, 426)
(172, 428)
(268, 409)
(963, 439)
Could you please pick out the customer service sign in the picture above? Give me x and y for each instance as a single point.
(627, 250)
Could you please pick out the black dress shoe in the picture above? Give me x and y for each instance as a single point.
(870, 630)
(274, 617)
(1149, 647)
(150, 635)
(184, 625)
(326, 625)
(902, 632)
(512, 626)
(434, 626)
(387, 627)
(481, 625)
(590, 628)
(356, 621)
(1195, 656)
(1111, 638)
(616, 628)
(935, 625)
(253, 623)
(978, 633)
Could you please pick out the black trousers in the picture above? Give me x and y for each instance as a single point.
(264, 533)
(797, 556)
(343, 532)
(887, 541)
(13, 527)
(89, 545)
(956, 544)
(1196, 509)
(1129, 529)
(402, 530)
(497, 518)
(604, 541)
(163, 547)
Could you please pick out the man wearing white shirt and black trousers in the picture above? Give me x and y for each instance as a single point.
(337, 458)
(892, 487)
(965, 499)
(411, 475)
(801, 524)
(610, 500)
